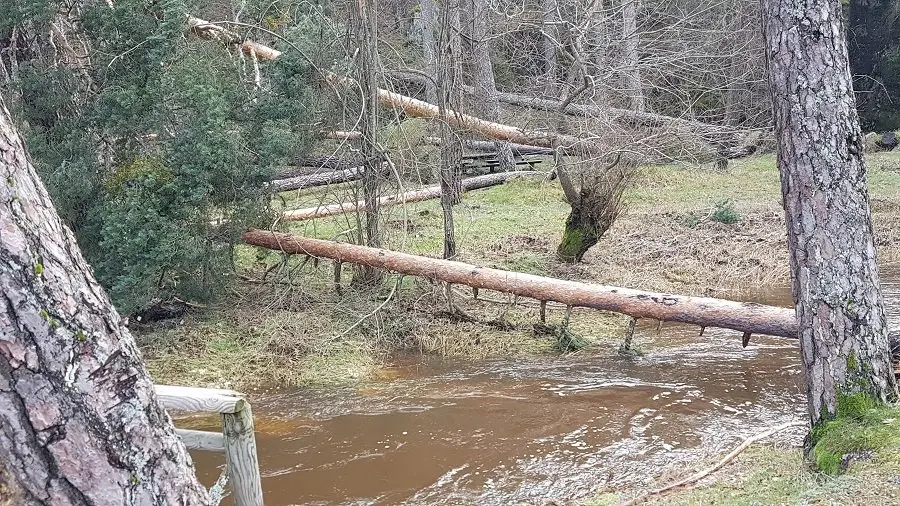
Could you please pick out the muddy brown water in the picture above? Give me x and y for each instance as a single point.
(512, 431)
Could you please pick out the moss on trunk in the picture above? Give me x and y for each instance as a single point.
(863, 425)
(579, 236)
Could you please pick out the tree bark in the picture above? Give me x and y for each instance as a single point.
(427, 193)
(364, 28)
(449, 104)
(310, 180)
(630, 40)
(485, 87)
(707, 312)
(843, 335)
(79, 420)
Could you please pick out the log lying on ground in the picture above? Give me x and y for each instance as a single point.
(489, 146)
(341, 135)
(315, 179)
(706, 312)
(430, 192)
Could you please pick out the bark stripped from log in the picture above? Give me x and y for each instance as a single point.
(707, 312)
(431, 192)
(211, 31)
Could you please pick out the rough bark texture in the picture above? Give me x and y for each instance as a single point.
(364, 28)
(79, 420)
(430, 192)
(630, 54)
(485, 87)
(704, 311)
(843, 336)
(596, 205)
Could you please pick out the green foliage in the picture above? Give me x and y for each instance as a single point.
(156, 154)
(873, 33)
(725, 212)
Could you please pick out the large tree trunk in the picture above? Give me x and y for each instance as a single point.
(843, 336)
(79, 420)
(449, 103)
(427, 193)
(703, 311)
(363, 20)
(630, 54)
(485, 87)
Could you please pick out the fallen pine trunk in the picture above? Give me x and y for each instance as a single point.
(313, 179)
(746, 317)
(340, 135)
(430, 192)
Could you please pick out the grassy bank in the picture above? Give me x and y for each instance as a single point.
(767, 474)
(299, 331)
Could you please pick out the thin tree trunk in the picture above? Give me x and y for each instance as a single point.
(599, 57)
(630, 54)
(707, 312)
(79, 420)
(364, 27)
(449, 103)
(429, 44)
(549, 42)
(843, 336)
(485, 87)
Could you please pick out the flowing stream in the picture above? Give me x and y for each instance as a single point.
(512, 431)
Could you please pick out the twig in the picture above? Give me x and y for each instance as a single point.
(690, 480)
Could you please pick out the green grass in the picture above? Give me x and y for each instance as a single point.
(666, 241)
(766, 475)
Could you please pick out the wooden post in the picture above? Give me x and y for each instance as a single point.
(240, 457)
(237, 439)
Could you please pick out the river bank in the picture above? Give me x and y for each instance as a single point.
(672, 238)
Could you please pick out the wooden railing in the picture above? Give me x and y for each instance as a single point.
(237, 439)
